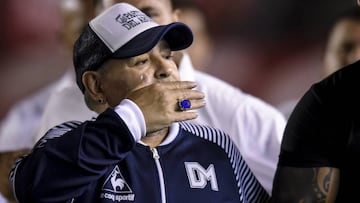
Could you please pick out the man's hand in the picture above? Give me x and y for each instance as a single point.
(159, 103)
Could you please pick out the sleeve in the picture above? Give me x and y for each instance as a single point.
(72, 156)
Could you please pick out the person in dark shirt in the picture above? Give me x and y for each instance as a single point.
(320, 150)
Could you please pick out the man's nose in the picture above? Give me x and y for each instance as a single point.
(162, 70)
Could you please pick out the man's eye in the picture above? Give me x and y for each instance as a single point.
(141, 62)
(347, 47)
(169, 56)
(151, 14)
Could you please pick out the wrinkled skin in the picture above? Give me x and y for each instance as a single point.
(151, 80)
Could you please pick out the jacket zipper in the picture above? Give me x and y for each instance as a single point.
(160, 172)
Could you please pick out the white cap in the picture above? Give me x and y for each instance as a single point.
(120, 20)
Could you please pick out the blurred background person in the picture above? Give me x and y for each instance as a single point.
(341, 48)
(76, 13)
(320, 147)
(22, 121)
(202, 50)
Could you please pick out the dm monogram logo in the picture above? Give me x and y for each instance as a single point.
(199, 177)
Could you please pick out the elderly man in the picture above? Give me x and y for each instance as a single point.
(139, 148)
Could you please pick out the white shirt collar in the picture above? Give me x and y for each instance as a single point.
(186, 69)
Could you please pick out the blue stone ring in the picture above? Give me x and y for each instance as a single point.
(184, 104)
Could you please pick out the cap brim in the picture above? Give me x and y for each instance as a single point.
(178, 36)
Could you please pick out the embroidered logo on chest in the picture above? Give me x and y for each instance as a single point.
(199, 177)
(116, 188)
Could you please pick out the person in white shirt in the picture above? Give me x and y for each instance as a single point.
(20, 124)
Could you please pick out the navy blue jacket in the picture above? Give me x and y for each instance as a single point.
(100, 161)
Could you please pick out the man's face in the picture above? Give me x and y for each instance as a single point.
(343, 45)
(159, 10)
(121, 76)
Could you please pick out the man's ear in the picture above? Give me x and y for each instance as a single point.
(92, 84)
